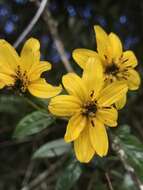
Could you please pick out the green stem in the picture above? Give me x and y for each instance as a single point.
(30, 102)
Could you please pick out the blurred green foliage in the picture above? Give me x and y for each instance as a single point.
(38, 135)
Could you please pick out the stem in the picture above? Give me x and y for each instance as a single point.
(28, 173)
(43, 176)
(122, 156)
(109, 181)
(31, 24)
(52, 26)
(30, 102)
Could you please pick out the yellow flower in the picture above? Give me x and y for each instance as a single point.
(89, 106)
(23, 72)
(118, 65)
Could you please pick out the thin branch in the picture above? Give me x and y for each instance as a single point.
(41, 177)
(34, 105)
(28, 173)
(130, 170)
(109, 181)
(52, 26)
(91, 181)
(36, 181)
(44, 186)
(32, 23)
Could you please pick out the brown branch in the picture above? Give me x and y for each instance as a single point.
(32, 23)
(91, 181)
(109, 181)
(52, 26)
(129, 169)
(41, 177)
(28, 173)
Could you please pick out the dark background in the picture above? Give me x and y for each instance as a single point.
(75, 21)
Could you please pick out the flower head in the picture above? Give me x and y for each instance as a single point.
(118, 65)
(89, 104)
(23, 72)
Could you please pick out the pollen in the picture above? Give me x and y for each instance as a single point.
(89, 109)
(112, 69)
(21, 81)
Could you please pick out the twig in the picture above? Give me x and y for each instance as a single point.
(40, 178)
(109, 181)
(28, 173)
(122, 156)
(36, 181)
(52, 26)
(91, 181)
(32, 23)
(44, 186)
(30, 102)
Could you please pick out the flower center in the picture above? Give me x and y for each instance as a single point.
(21, 81)
(89, 109)
(18, 84)
(112, 69)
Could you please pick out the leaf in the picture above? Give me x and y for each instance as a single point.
(133, 149)
(9, 103)
(69, 176)
(52, 149)
(32, 124)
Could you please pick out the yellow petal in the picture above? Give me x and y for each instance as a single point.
(6, 80)
(81, 56)
(31, 45)
(9, 59)
(108, 116)
(133, 79)
(93, 76)
(47, 64)
(128, 60)
(36, 71)
(121, 103)
(112, 93)
(103, 43)
(64, 105)
(116, 46)
(75, 86)
(42, 89)
(1, 85)
(83, 148)
(30, 54)
(75, 127)
(99, 138)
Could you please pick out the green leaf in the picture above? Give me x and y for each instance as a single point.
(52, 149)
(9, 104)
(69, 176)
(32, 124)
(133, 149)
